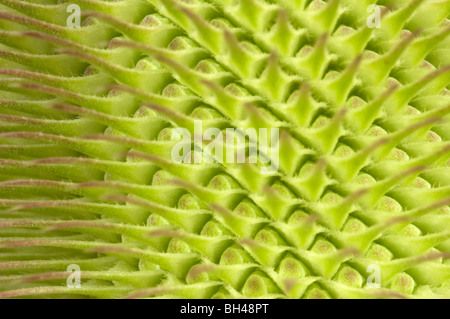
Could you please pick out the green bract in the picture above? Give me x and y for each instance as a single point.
(357, 208)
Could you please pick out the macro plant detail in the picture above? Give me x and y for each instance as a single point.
(94, 95)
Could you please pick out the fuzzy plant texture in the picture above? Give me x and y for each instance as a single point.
(359, 204)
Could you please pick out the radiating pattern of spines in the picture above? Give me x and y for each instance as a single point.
(87, 128)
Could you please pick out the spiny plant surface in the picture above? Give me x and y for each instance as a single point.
(87, 125)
